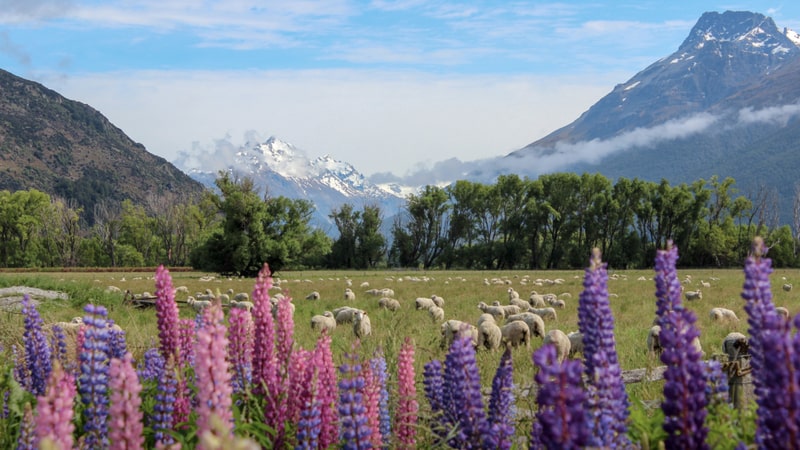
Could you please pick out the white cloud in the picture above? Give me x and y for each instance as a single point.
(377, 121)
(777, 115)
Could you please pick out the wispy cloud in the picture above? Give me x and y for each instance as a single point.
(13, 50)
(17, 11)
(777, 115)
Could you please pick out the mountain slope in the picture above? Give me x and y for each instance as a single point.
(726, 103)
(63, 147)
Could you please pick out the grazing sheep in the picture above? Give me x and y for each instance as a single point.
(365, 284)
(782, 312)
(559, 303)
(349, 295)
(198, 305)
(485, 317)
(345, 314)
(243, 305)
(654, 341)
(734, 345)
(575, 342)
(560, 340)
(787, 287)
(423, 303)
(181, 290)
(438, 301)
(375, 292)
(325, 322)
(436, 313)
(516, 333)
(314, 295)
(490, 336)
(497, 311)
(723, 315)
(361, 324)
(508, 310)
(453, 328)
(389, 303)
(545, 313)
(537, 301)
(693, 295)
(512, 294)
(705, 284)
(522, 304)
(535, 322)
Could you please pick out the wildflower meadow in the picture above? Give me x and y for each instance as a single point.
(238, 378)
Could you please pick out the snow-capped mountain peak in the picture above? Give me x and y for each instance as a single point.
(792, 35)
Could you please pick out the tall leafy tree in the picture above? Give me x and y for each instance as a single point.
(422, 238)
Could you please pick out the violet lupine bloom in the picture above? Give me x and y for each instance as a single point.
(607, 401)
(561, 421)
(54, 410)
(164, 406)
(434, 392)
(463, 403)
(93, 379)
(212, 377)
(355, 431)
(378, 365)
(405, 416)
(166, 314)
(716, 383)
(186, 339)
(27, 439)
(309, 422)
(151, 366)
(685, 398)
(240, 328)
(37, 351)
(125, 424)
(298, 366)
(59, 346)
(502, 411)
(118, 347)
(327, 390)
(771, 356)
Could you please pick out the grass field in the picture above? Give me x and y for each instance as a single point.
(632, 301)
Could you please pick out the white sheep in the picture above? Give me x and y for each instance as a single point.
(512, 294)
(345, 314)
(705, 284)
(654, 341)
(534, 321)
(575, 342)
(314, 295)
(361, 324)
(198, 305)
(782, 312)
(423, 303)
(558, 303)
(545, 313)
(537, 301)
(326, 322)
(242, 297)
(490, 336)
(349, 295)
(787, 287)
(693, 295)
(436, 313)
(453, 328)
(182, 290)
(246, 305)
(516, 333)
(375, 292)
(508, 310)
(734, 345)
(560, 340)
(497, 311)
(389, 303)
(522, 304)
(438, 301)
(723, 315)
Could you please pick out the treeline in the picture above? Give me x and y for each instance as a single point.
(516, 223)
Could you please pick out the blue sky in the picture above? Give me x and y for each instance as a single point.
(389, 86)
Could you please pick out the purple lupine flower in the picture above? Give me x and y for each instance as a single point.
(59, 346)
(186, 339)
(125, 428)
(501, 405)
(212, 377)
(463, 403)
(561, 421)
(265, 362)
(240, 328)
(298, 366)
(118, 347)
(407, 406)
(93, 379)
(54, 410)
(607, 401)
(355, 431)
(327, 388)
(309, 424)
(378, 365)
(166, 314)
(151, 367)
(716, 382)
(370, 401)
(164, 406)
(37, 350)
(27, 439)
(182, 406)
(434, 392)
(685, 398)
(770, 356)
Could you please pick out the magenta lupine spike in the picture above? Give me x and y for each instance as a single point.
(298, 364)
(183, 402)
(166, 314)
(186, 340)
(241, 347)
(371, 401)
(212, 374)
(284, 331)
(125, 423)
(54, 410)
(328, 390)
(265, 363)
(405, 424)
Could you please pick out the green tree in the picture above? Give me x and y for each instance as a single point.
(422, 236)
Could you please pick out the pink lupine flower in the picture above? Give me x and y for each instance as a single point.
(183, 402)
(407, 406)
(372, 393)
(167, 314)
(54, 410)
(125, 415)
(212, 376)
(241, 347)
(265, 375)
(296, 394)
(328, 393)
(186, 338)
